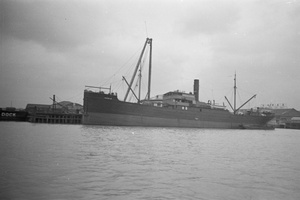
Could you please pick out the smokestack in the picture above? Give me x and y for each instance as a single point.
(196, 89)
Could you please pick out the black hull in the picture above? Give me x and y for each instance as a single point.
(6, 115)
(105, 109)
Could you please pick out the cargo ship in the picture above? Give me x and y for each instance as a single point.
(172, 109)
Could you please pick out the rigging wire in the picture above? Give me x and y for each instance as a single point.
(146, 29)
(118, 70)
(57, 99)
(75, 97)
(240, 99)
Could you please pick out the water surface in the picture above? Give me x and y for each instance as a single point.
(49, 161)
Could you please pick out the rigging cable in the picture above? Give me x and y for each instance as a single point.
(118, 70)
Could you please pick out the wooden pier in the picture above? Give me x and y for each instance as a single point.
(56, 118)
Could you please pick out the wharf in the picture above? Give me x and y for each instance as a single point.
(294, 123)
(55, 114)
(56, 118)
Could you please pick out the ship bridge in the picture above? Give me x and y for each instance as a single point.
(179, 98)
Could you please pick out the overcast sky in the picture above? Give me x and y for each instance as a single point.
(58, 47)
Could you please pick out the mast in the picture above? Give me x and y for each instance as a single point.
(150, 68)
(234, 108)
(140, 83)
(234, 104)
(148, 41)
(54, 105)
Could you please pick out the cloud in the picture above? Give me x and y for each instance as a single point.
(207, 17)
(262, 28)
(56, 25)
(70, 44)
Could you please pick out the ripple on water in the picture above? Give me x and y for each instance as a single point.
(95, 162)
